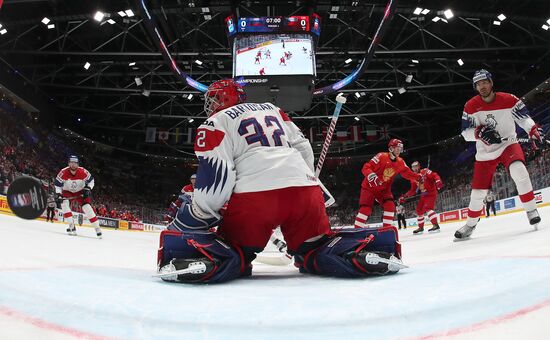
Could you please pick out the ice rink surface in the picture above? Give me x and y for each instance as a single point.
(496, 285)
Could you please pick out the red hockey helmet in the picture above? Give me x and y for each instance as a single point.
(395, 142)
(223, 94)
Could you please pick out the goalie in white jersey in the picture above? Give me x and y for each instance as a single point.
(490, 119)
(254, 159)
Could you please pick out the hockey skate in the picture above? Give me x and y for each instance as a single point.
(435, 228)
(186, 270)
(98, 232)
(464, 233)
(378, 262)
(534, 218)
(71, 230)
(418, 230)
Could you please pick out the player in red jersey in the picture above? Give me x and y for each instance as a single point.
(489, 119)
(282, 61)
(262, 71)
(189, 188)
(257, 60)
(379, 173)
(74, 183)
(429, 186)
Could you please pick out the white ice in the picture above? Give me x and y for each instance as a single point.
(55, 286)
(299, 63)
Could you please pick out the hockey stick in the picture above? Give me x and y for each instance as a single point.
(523, 140)
(340, 100)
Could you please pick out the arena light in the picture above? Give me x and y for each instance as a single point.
(409, 78)
(99, 15)
(401, 90)
(45, 21)
(388, 97)
(496, 23)
(335, 8)
(333, 16)
(357, 118)
(348, 61)
(436, 19)
(132, 63)
(87, 65)
(548, 21)
(357, 94)
(129, 13)
(205, 10)
(198, 62)
(4, 31)
(111, 21)
(121, 13)
(390, 94)
(414, 61)
(501, 17)
(138, 81)
(191, 120)
(417, 11)
(207, 17)
(544, 27)
(190, 96)
(50, 26)
(146, 93)
(425, 11)
(460, 62)
(448, 14)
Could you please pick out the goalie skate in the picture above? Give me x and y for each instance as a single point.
(185, 270)
(71, 230)
(464, 233)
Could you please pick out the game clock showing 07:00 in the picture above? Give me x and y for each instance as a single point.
(273, 24)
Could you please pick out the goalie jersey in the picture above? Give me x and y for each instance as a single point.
(249, 147)
(502, 114)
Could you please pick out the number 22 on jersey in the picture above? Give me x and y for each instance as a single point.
(254, 131)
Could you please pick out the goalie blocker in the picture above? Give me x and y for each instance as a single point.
(202, 256)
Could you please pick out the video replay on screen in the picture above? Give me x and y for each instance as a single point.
(273, 54)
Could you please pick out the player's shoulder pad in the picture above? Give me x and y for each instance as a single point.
(283, 114)
(473, 105)
(507, 97)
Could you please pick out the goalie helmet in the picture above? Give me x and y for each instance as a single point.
(223, 94)
(481, 75)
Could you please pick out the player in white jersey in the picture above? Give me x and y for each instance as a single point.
(74, 183)
(254, 158)
(490, 119)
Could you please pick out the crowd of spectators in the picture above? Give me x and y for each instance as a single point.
(29, 149)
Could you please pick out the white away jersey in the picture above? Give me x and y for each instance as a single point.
(249, 148)
(503, 113)
(66, 181)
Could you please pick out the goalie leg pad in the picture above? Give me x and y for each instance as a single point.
(182, 249)
(355, 253)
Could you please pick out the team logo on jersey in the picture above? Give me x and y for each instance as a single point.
(388, 174)
(490, 121)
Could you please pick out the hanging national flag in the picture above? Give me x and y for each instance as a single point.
(355, 133)
(150, 134)
(312, 134)
(385, 132)
(176, 136)
(189, 136)
(372, 133)
(342, 135)
(163, 135)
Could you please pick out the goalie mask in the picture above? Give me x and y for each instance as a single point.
(223, 94)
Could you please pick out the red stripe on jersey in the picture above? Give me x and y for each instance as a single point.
(207, 140)
(67, 215)
(93, 219)
(502, 101)
(284, 116)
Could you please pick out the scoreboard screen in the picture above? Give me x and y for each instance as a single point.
(293, 24)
